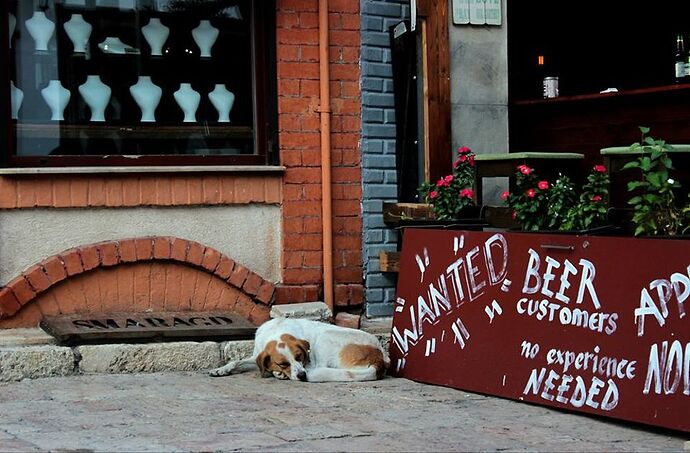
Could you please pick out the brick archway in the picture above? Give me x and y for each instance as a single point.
(132, 275)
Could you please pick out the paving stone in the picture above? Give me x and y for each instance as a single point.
(189, 411)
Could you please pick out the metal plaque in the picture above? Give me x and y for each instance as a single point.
(87, 328)
(589, 324)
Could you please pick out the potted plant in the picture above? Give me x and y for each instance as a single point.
(655, 208)
(538, 205)
(451, 198)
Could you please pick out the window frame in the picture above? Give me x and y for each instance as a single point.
(264, 100)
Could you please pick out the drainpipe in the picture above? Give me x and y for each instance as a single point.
(325, 114)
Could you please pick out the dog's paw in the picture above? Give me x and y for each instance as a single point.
(217, 372)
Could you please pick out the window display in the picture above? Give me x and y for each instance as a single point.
(95, 80)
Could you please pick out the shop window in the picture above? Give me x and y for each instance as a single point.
(138, 82)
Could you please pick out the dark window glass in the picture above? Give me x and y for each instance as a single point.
(138, 81)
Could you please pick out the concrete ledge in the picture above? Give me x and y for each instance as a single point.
(148, 358)
(145, 169)
(24, 337)
(21, 362)
(317, 311)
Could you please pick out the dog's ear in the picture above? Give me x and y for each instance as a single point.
(262, 361)
(305, 347)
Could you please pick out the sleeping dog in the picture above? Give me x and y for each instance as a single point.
(312, 351)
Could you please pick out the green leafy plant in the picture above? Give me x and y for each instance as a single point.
(450, 194)
(592, 206)
(562, 200)
(539, 205)
(655, 210)
(530, 202)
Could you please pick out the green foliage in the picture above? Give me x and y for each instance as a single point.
(530, 203)
(562, 200)
(655, 210)
(590, 210)
(450, 194)
(538, 205)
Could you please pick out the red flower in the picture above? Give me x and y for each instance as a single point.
(505, 195)
(463, 158)
(543, 185)
(525, 170)
(441, 182)
(514, 215)
(464, 150)
(433, 194)
(471, 161)
(596, 198)
(466, 193)
(448, 179)
(600, 169)
(456, 163)
(530, 193)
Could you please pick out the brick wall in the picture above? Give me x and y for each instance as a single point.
(299, 190)
(298, 104)
(118, 190)
(134, 275)
(378, 146)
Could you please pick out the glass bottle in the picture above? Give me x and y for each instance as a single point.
(681, 60)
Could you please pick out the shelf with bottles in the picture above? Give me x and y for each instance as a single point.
(640, 92)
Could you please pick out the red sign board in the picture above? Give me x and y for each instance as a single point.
(591, 324)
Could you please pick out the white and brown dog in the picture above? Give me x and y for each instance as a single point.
(313, 351)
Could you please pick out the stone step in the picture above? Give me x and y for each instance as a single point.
(31, 353)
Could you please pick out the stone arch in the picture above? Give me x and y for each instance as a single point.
(150, 273)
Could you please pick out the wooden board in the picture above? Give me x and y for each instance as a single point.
(89, 328)
(587, 324)
(393, 213)
(389, 261)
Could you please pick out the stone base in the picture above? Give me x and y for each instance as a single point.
(19, 361)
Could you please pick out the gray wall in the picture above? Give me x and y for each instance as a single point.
(479, 92)
(378, 146)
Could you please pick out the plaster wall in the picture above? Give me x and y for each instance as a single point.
(479, 92)
(249, 234)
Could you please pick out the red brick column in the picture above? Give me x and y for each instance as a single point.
(298, 108)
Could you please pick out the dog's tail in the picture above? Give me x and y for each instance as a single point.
(370, 373)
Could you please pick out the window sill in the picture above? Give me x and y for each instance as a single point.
(271, 169)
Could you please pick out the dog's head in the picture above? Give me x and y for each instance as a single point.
(284, 359)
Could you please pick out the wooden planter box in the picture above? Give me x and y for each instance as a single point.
(584, 323)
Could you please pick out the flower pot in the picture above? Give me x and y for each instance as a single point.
(604, 230)
(470, 218)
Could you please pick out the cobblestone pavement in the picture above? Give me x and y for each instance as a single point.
(193, 412)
